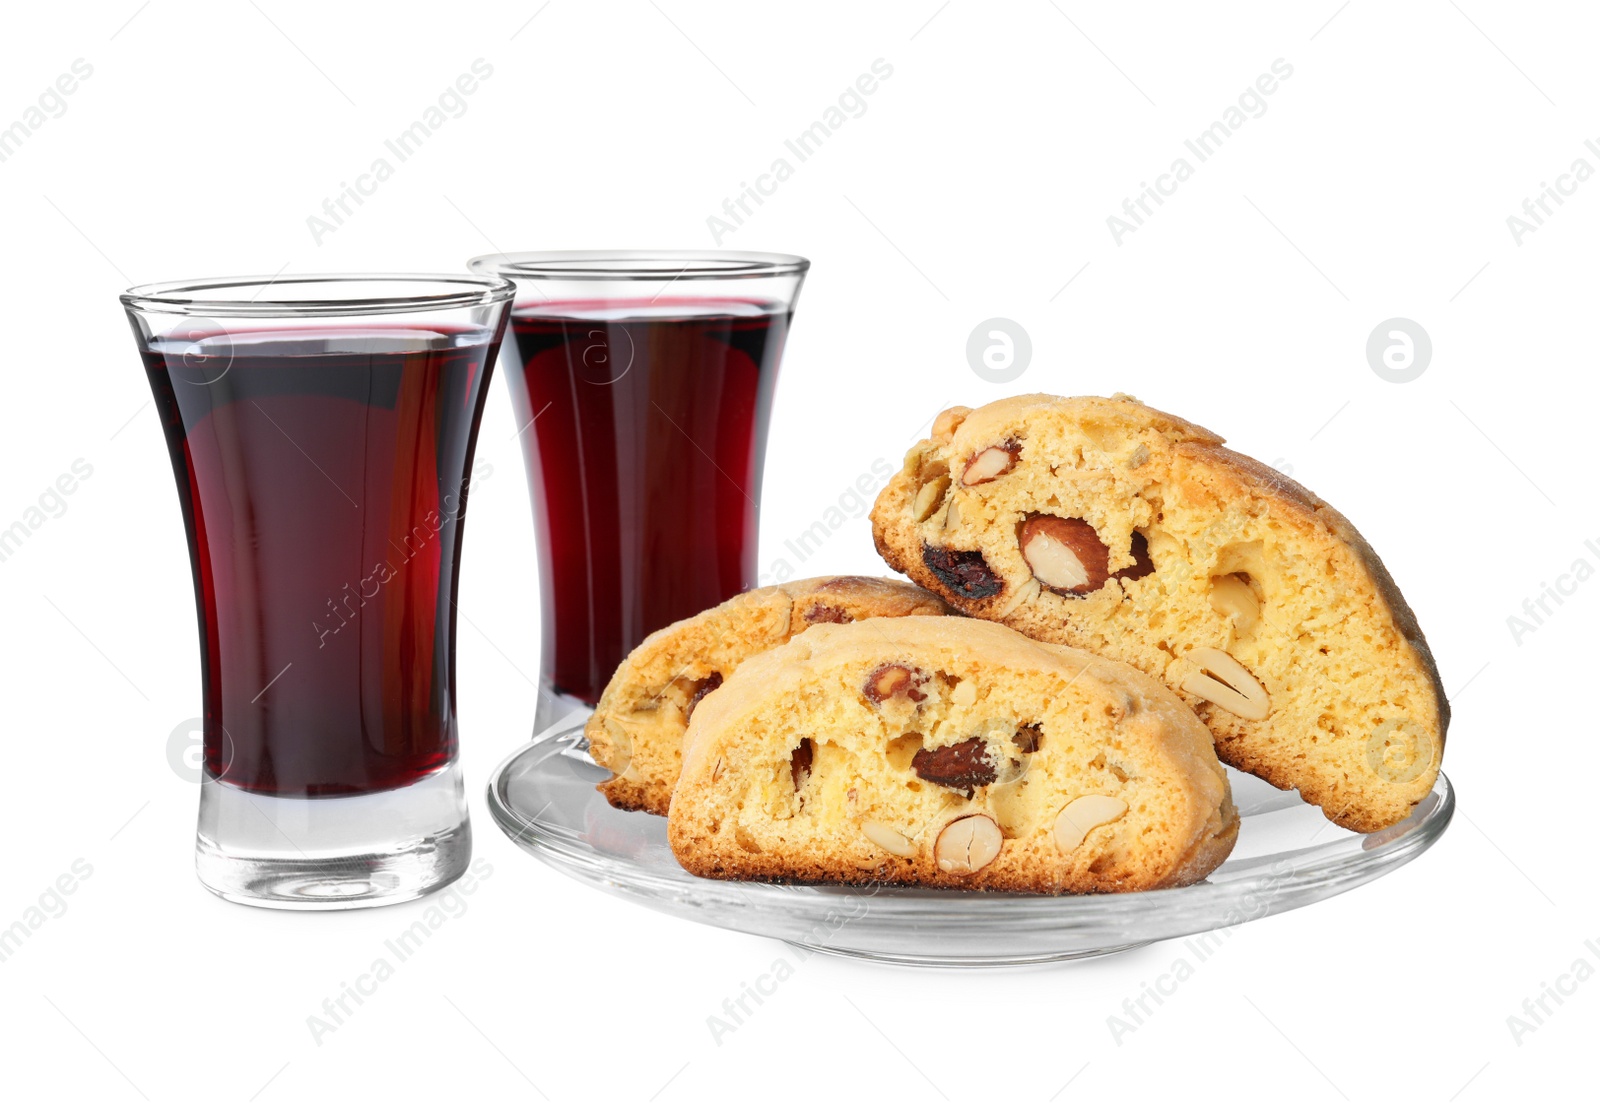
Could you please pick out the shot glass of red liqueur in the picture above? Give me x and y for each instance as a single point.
(642, 383)
(322, 429)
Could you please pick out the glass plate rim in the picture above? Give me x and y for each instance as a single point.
(1336, 866)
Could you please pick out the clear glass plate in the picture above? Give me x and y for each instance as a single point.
(1288, 856)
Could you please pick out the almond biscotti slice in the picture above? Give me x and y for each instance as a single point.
(1104, 524)
(636, 731)
(948, 752)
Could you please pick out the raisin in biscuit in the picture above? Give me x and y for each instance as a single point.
(948, 752)
(1104, 524)
(636, 731)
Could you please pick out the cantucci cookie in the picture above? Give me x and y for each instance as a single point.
(636, 731)
(948, 752)
(1104, 524)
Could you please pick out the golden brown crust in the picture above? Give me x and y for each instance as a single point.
(741, 812)
(638, 725)
(1141, 470)
(1238, 751)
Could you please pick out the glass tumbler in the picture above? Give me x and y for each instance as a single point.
(642, 383)
(322, 429)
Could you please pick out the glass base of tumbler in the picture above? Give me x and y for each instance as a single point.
(333, 853)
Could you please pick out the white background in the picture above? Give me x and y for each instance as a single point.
(976, 184)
